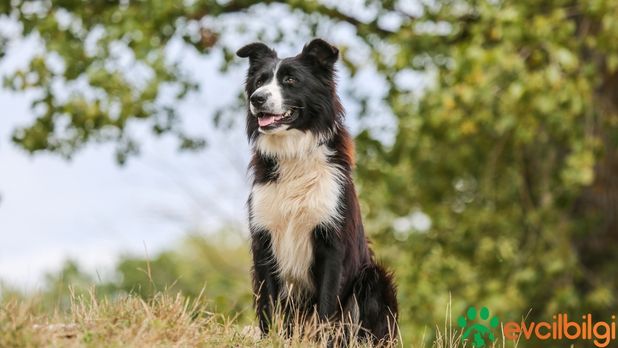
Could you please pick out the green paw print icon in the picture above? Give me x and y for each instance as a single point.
(481, 333)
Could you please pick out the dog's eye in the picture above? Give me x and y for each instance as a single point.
(259, 82)
(289, 80)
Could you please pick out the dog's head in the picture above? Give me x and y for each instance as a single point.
(291, 94)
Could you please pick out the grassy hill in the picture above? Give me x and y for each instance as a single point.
(163, 321)
(166, 321)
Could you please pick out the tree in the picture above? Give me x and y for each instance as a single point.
(511, 150)
(512, 154)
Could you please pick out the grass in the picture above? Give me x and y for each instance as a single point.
(164, 321)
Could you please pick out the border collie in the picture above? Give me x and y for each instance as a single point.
(308, 243)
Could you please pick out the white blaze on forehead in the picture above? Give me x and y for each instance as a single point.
(272, 92)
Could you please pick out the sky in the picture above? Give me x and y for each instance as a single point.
(92, 210)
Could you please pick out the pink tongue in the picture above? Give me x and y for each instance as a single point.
(266, 120)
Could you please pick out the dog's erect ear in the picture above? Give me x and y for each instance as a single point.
(320, 52)
(256, 51)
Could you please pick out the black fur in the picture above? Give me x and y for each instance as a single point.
(347, 279)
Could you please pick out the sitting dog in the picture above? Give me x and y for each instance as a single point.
(307, 239)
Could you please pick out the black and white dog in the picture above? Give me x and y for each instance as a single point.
(308, 243)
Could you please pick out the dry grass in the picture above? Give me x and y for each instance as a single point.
(169, 321)
(164, 321)
(129, 322)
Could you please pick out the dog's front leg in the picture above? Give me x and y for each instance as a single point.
(327, 269)
(265, 283)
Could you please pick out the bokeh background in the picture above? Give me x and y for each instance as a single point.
(486, 136)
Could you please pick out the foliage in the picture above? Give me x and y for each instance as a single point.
(510, 151)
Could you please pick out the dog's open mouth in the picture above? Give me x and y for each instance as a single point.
(267, 120)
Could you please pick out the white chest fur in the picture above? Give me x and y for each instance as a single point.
(305, 195)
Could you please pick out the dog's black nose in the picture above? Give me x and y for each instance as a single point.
(257, 99)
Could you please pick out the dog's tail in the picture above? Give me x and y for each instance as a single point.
(376, 298)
